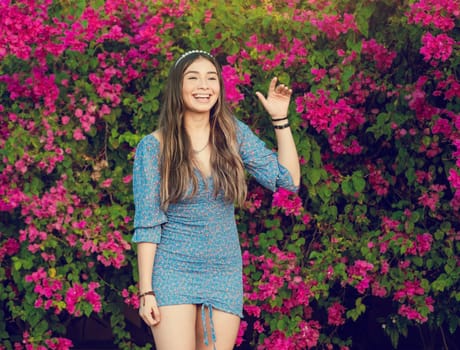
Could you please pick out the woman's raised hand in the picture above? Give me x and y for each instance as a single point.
(277, 101)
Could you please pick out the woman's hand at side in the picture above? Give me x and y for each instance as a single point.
(149, 311)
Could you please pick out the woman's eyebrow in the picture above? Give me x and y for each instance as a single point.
(196, 72)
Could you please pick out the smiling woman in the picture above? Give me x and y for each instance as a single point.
(187, 176)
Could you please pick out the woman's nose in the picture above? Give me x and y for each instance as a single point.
(203, 83)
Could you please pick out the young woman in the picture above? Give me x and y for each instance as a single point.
(187, 176)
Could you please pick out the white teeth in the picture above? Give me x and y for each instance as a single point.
(201, 96)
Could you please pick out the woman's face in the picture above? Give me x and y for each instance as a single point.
(200, 86)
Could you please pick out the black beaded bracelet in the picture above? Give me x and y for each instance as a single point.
(279, 119)
(150, 292)
(284, 126)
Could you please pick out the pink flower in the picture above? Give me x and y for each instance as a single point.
(290, 202)
(378, 290)
(440, 13)
(318, 73)
(377, 180)
(306, 219)
(411, 313)
(231, 81)
(73, 296)
(258, 326)
(106, 183)
(423, 243)
(59, 343)
(436, 48)
(442, 126)
(332, 26)
(410, 289)
(385, 267)
(309, 334)
(335, 314)
(337, 119)
(127, 179)
(429, 199)
(383, 57)
(207, 16)
(10, 247)
(78, 134)
(252, 310)
(65, 120)
(241, 330)
(94, 299)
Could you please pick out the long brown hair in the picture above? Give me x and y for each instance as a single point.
(177, 167)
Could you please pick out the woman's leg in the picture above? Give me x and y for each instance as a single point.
(225, 327)
(176, 330)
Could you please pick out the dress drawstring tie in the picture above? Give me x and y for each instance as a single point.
(205, 328)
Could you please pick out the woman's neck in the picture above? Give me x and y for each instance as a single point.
(196, 123)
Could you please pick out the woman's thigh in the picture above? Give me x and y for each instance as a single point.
(176, 330)
(226, 327)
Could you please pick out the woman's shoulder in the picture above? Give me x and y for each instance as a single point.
(153, 137)
(150, 141)
(156, 135)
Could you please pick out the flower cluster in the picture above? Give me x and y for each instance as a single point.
(279, 273)
(454, 178)
(379, 184)
(436, 48)
(288, 201)
(231, 80)
(335, 314)
(439, 13)
(409, 294)
(336, 118)
(382, 56)
(78, 298)
(52, 343)
(360, 275)
(48, 289)
(333, 25)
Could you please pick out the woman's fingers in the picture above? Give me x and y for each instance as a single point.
(150, 313)
(156, 315)
(283, 89)
(272, 85)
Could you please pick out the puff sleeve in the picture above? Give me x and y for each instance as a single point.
(261, 162)
(148, 216)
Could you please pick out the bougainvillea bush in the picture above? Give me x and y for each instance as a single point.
(376, 116)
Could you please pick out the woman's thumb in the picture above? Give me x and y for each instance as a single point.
(261, 97)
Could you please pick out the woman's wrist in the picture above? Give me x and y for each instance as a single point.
(280, 122)
(150, 292)
(281, 126)
(279, 119)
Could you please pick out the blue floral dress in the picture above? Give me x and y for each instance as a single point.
(198, 257)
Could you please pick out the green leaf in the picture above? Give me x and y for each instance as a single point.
(314, 175)
(325, 193)
(41, 327)
(347, 187)
(358, 181)
(362, 15)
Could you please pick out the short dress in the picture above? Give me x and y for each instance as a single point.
(198, 257)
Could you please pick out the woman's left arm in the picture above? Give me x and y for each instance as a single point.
(276, 104)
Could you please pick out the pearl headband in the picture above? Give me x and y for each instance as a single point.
(192, 52)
